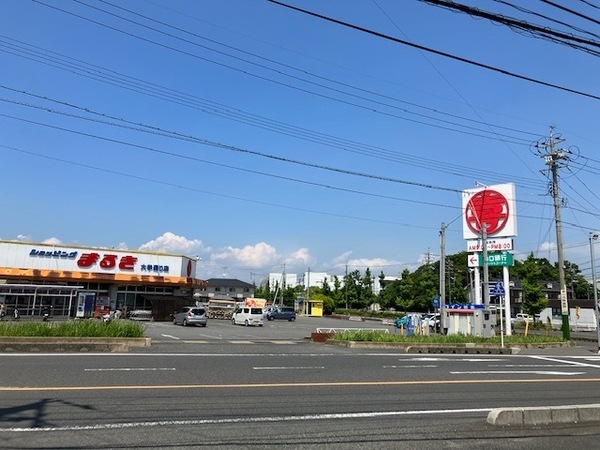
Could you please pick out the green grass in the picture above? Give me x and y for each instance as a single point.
(76, 328)
(371, 336)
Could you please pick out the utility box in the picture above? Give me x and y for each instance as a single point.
(470, 320)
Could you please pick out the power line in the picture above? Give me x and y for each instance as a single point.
(534, 30)
(437, 52)
(238, 149)
(376, 152)
(279, 72)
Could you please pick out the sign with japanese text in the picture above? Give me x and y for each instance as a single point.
(493, 245)
(496, 259)
(93, 259)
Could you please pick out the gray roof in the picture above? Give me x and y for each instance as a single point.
(228, 282)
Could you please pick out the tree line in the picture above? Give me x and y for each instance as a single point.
(414, 291)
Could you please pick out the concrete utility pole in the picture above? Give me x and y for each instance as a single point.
(556, 158)
(593, 237)
(442, 275)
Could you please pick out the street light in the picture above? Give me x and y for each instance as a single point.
(594, 235)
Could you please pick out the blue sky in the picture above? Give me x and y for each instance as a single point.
(256, 136)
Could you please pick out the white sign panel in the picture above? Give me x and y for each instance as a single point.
(91, 259)
(492, 206)
(493, 245)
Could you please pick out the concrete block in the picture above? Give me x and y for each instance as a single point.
(565, 414)
(537, 416)
(505, 416)
(589, 413)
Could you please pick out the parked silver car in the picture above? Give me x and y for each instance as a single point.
(190, 315)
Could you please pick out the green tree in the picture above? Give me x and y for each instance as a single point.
(328, 303)
(534, 271)
(338, 293)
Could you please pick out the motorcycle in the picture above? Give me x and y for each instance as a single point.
(45, 314)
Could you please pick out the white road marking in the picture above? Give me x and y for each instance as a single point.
(517, 372)
(526, 365)
(426, 359)
(130, 369)
(573, 363)
(169, 336)
(289, 368)
(410, 367)
(162, 423)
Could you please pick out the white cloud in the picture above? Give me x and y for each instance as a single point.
(171, 243)
(258, 255)
(341, 260)
(300, 257)
(52, 241)
(23, 237)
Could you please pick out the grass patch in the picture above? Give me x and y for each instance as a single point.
(371, 336)
(76, 328)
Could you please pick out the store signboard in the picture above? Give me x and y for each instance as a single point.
(493, 207)
(21, 255)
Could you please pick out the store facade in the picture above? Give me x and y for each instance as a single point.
(84, 281)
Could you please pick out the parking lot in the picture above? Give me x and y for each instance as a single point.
(277, 330)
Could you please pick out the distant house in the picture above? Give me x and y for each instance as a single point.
(225, 289)
(581, 311)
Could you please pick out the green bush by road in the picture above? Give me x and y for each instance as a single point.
(77, 328)
(372, 336)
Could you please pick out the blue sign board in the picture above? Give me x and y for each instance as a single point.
(498, 290)
(464, 306)
(436, 302)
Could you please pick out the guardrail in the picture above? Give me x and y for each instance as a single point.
(337, 330)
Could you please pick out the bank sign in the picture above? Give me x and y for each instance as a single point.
(99, 260)
(492, 206)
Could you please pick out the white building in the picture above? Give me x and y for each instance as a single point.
(283, 279)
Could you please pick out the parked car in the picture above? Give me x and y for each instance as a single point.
(190, 315)
(268, 309)
(432, 321)
(283, 313)
(521, 318)
(248, 316)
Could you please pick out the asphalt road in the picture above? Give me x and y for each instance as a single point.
(232, 387)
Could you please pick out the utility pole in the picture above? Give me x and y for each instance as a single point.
(442, 275)
(555, 159)
(346, 287)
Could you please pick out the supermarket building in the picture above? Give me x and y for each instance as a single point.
(83, 281)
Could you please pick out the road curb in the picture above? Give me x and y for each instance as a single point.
(65, 344)
(465, 349)
(544, 415)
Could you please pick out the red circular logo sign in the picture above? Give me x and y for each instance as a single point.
(487, 207)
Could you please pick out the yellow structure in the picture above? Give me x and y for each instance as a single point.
(313, 308)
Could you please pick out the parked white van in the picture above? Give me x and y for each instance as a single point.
(248, 316)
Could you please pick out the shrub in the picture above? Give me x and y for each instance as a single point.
(75, 328)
